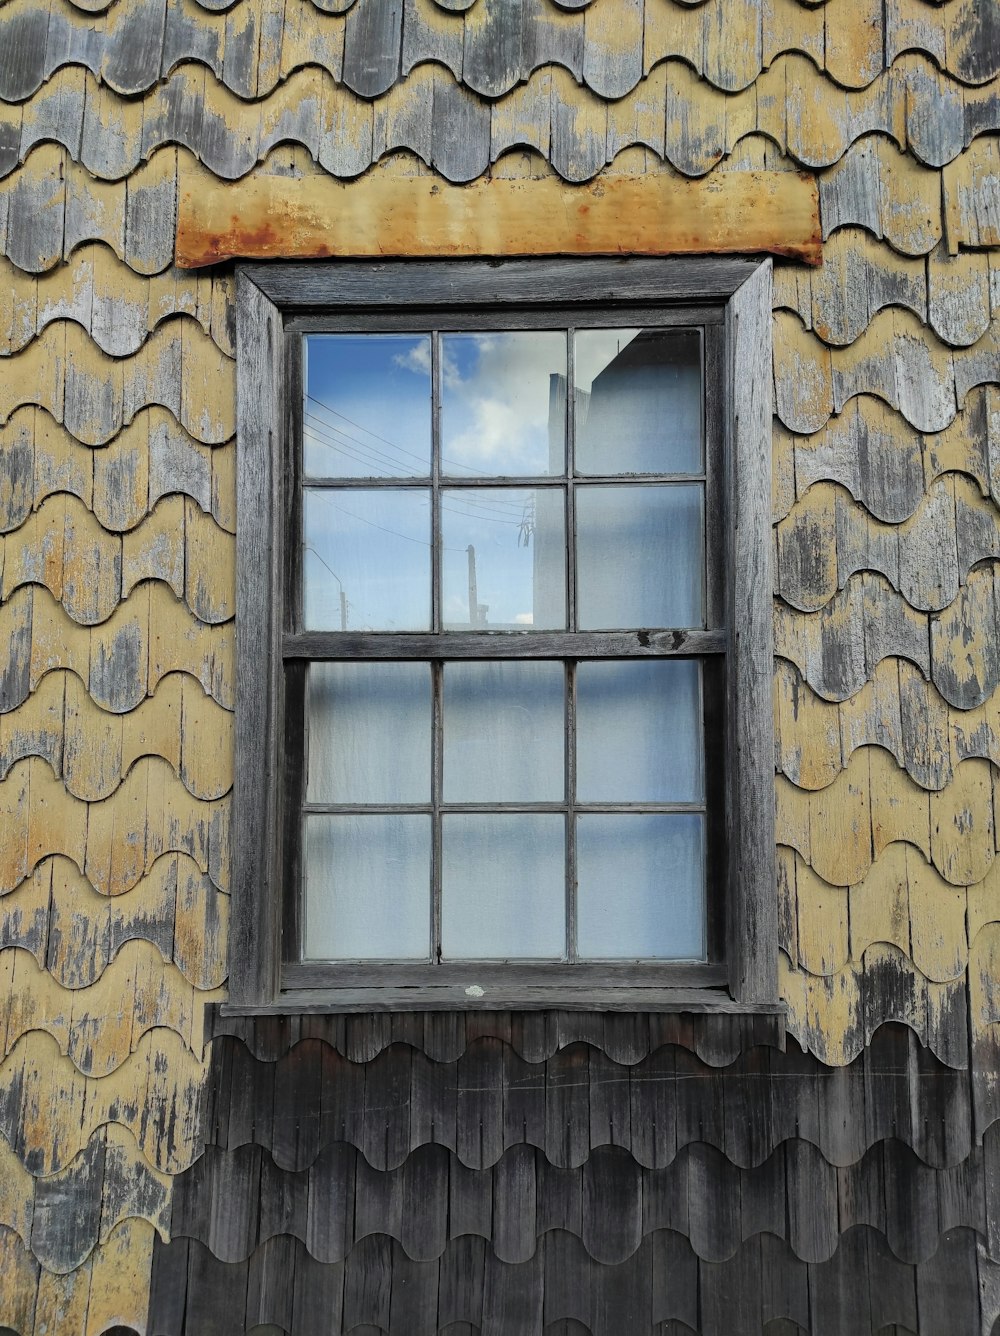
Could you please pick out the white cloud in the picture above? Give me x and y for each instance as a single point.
(495, 416)
(416, 358)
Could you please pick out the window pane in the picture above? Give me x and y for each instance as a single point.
(367, 560)
(503, 560)
(504, 887)
(503, 732)
(638, 728)
(367, 887)
(640, 553)
(367, 410)
(503, 403)
(638, 401)
(369, 731)
(641, 886)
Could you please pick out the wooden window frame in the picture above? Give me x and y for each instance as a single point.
(273, 299)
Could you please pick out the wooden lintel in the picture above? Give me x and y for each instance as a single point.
(268, 217)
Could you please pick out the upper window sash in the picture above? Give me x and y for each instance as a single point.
(574, 494)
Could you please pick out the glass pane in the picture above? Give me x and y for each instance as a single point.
(503, 403)
(641, 886)
(640, 552)
(503, 887)
(369, 730)
(367, 887)
(503, 558)
(367, 560)
(367, 409)
(638, 401)
(503, 732)
(638, 728)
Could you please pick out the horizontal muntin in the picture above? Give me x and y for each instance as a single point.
(679, 643)
(496, 809)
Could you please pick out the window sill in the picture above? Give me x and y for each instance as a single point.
(455, 997)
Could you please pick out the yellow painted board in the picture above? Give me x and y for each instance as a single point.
(149, 635)
(114, 841)
(97, 1027)
(266, 217)
(94, 396)
(156, 1094)
(74, 931)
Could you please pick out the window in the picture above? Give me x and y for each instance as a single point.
(503, 665)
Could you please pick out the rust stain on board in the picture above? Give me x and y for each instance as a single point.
(313, 217)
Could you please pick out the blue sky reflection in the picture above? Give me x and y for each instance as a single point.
(367, 411)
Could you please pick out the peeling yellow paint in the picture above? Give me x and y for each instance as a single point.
(117, 414)
(316, 216)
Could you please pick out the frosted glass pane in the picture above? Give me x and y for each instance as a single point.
(503, 403)
(504, 558)
(367, 409)
(367, 560)
(639, 735)
(640, 553)
(504, 732)
(369, 733)
(641, 886)
(367, 887)
(504, 887)
(638, 401)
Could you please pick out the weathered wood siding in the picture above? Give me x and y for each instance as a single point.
(565, 1173)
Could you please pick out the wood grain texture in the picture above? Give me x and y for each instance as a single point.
(63, 548)
(119, 483)
(752, 929)
(99, 1026)
(49, 1110)
(902, 901)
(582, 1298)
(610, 1202)
(876, 186)
(913, 103)
(842, 829)
(116, 307)
(107, 1291)
(261, 415)
(52, 205)
(94, 397)
(886, 464)
(93, 750)
(149, 635)
(63, 1218)
(266, 217)
(716, 1038)
(894, 359)
(118, 505)
(972, 198)
(124, 47)
(859, 277)
(114, 841)
(74, 931)
(898, 709)
(571, 1099)
(835, 1016)
(826, 538)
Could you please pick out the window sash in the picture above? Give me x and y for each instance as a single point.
(712, 476)
(570, 805)
(439, 646)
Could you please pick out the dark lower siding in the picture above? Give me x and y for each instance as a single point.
(512, 1185)
(862, 1288)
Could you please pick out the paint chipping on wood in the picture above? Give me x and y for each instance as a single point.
(137, 139)
(267, 218)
